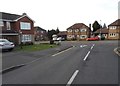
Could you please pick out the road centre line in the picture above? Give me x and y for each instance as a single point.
(88, 53)
(62, 51)
(72, 78)
(86, 56)
(92, 46)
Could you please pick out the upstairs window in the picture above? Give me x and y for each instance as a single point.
(112, 27)
(25, 26)
(69, 30)
(83, 30)
(76, 30)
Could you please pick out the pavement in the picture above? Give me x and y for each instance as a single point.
(70, 67)
(19, 58)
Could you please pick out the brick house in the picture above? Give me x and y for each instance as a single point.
(103, 31)
(78, 31)
(114, 30)
(17, 28)
(40, 34)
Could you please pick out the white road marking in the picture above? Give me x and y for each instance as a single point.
(92, 46)
(62, 51)
(83, 46)
(86, 56)
(72, 78)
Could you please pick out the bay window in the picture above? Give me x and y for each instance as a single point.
(26, 38)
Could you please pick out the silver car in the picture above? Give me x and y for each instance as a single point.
(6, 45)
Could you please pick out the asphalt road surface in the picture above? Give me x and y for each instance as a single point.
(86, 63)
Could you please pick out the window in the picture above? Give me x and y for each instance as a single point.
(76, 30)
(83, 30)
(1, 23)
(26, 38)
(8, 25)
(83, 36)
(25, 26)
(112, 34)
(113, 27)
(69, 36)
(69, 30)
(42, 32)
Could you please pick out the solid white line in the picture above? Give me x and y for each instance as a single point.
(72, 78)
(62, 51)
(86, 56)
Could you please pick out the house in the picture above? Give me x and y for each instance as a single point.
(78, 31)
(40, 34)
(114, 30)
(17, 28)
(102, 31)
(62, 34)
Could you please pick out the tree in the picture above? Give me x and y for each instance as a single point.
(104, 26)
(50, 33)
(96, 26)
(57, 30)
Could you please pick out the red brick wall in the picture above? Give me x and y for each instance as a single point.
(16, 25)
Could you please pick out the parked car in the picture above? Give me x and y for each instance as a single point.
(101, 37)
(6, 45)
(93, 39)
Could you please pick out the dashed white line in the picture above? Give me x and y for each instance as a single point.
(86, 56)
(88, 53)
(72, 78)
(92, 46)
(62, 51)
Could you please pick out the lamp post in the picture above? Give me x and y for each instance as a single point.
(20, 32)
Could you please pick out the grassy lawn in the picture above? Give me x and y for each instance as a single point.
(36, 47)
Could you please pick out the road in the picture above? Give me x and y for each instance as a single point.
(86, 63)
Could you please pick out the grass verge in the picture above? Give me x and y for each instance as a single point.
(35, 47)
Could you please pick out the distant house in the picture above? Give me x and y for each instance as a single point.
(40, 34)
(114, 30)
(62, 34)
(17, 28)
(78, 31)
(102, 31)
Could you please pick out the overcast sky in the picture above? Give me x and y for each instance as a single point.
(50, 14)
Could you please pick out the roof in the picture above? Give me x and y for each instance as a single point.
(115, 23)
(39, 28)
(77, 26)
(8, 16)
(62, 33)
(103, 30)
(12, 17)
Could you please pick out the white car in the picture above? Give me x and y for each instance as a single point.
(6, 45)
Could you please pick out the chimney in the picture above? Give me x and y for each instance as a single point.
(90, 26)
(24, 14)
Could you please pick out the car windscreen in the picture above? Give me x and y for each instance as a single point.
(4, 41)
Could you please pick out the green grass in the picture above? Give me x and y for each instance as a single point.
(36, 47)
